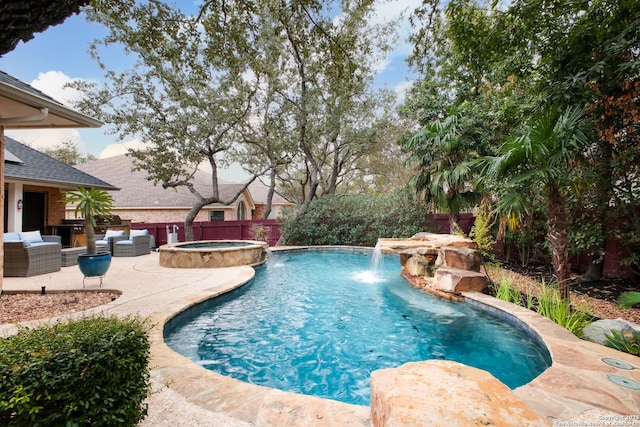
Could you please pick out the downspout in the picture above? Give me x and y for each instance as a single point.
(44, 113)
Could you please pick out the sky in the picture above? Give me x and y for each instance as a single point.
(60, 55)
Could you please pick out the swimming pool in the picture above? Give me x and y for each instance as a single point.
(315, 322)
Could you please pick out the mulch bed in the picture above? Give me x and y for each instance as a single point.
(23, 306)
(597, 297)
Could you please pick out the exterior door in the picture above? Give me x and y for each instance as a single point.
(34, 211)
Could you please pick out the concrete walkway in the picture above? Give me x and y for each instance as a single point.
(150, 291)
(576, 388)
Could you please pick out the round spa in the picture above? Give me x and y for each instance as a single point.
(213, 254)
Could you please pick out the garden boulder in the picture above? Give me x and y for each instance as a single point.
(597, 331)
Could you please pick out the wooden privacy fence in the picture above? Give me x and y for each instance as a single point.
(265, 230)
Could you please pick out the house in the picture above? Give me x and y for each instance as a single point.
(279, 204)
(141, 201)
(33, 187)
(23, 107)
(33, 182)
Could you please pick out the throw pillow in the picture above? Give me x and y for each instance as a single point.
(135, 233)
(31, 236)
(113, 233)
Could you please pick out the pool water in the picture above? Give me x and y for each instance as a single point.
(318, 323)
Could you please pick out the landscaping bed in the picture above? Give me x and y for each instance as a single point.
(598, 297)
(22, 307)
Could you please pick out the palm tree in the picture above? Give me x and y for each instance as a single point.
(442, 153)
(543, 157)
(89, 204)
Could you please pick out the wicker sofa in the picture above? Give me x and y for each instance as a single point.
(138, 243)
(29, 254)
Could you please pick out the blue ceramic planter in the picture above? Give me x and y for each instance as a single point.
(94, 265)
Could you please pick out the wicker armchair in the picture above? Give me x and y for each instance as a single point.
(105, 242)
(138, 243)
(30, 259)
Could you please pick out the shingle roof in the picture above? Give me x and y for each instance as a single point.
(39, 167)
(259, 193)
(18, 84)
(137, 191)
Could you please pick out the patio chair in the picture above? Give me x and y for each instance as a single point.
(138, 243)
(104, 242)
(29, 254)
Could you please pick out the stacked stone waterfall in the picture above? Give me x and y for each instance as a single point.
(442, 392)
(439, 263)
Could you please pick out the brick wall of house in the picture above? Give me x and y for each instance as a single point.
(163, 215)
(258, 211)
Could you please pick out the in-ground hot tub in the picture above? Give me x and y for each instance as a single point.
(213, 254)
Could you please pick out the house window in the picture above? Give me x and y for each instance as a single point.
(216, 215)
(241, 212)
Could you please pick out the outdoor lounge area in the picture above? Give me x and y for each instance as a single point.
(576, 388)
(31, 254)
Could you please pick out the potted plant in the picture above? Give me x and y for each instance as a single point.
(90, 204)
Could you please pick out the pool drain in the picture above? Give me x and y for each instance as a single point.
(618, 364)
(624, 382)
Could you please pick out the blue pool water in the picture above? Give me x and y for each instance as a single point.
(317, 323)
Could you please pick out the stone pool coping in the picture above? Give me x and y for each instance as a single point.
(575, 387)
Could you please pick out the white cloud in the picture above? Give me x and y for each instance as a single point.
(45, 138)
(401, 91)
(53, 84)
(387, 11)
(120, 148)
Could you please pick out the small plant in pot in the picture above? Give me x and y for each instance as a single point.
(90, 204)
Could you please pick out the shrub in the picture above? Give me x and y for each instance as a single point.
(355, 220)
(548, 303)
(627, 341)
(628, 299)
(506, 292)
(91, 371)
(552, 306)
(482, 234)
(528, 238)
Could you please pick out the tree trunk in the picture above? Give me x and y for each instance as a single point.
(558, 238)
(595, 269)
(91, 237)
(454, 223)
(188, 221)
(272, 185)
(604, 188)
(335, 164)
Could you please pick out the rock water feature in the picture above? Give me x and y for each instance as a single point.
(440, 392)
(442, 264)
